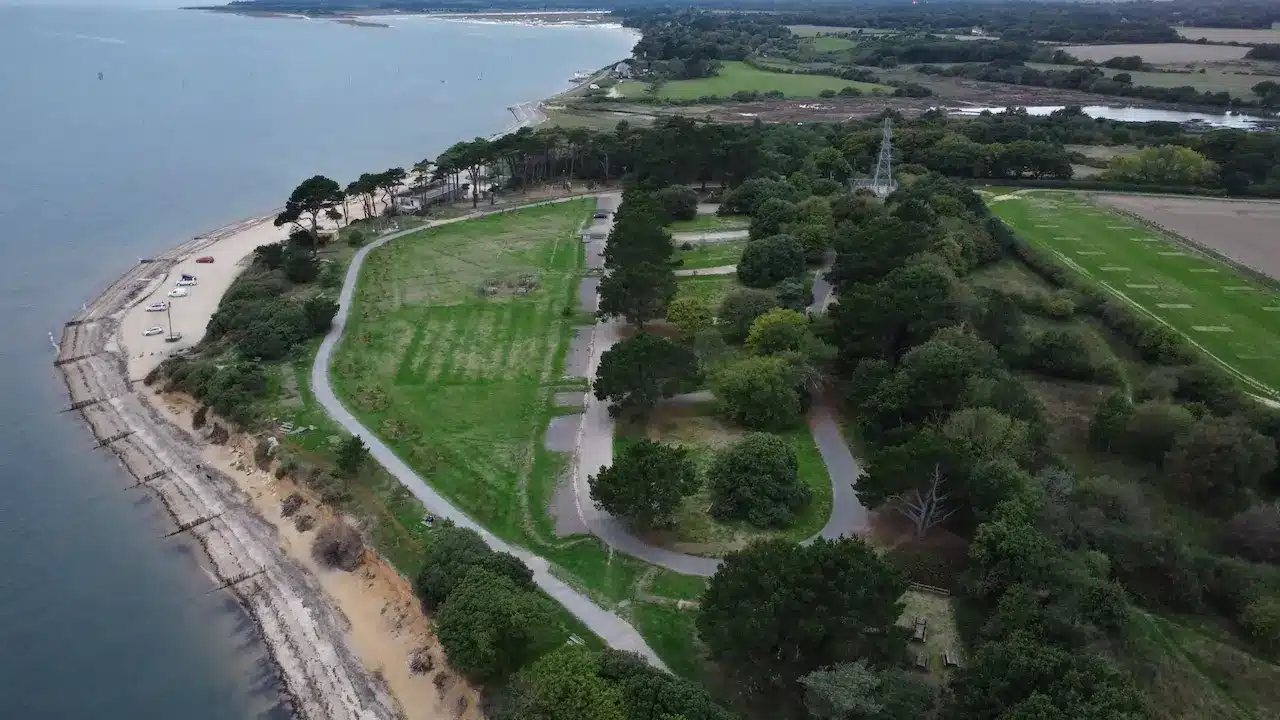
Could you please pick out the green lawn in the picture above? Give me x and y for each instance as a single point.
(735, 76)
(812, 30)
(454, 347)
(710, 223)
(673, 585)
(673, 636)
(1231, 317)
(710, 288)
(708, 255)
(828, 44)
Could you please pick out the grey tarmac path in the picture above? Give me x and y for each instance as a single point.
(699, 272)
(710, 237)
(610, 627)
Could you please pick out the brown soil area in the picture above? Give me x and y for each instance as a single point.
(1246, 232)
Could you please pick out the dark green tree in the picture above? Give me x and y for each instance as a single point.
(646, 483)
(639, 292)
(565, 684)
(450, 555)
(771, 216)
(320, 310)
(770, 260)
(739, 310)
(761, 393)
(351, 455)
(757, 479)
(855, 691)
(490, 627)
(309, 201)
(1218, 463)
(778, 611)
(652, 694)
(639, 371)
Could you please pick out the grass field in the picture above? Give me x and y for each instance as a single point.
(1232, 318)
(1245, 36)
(828, 44)
(1211, 80)
(710, 288)
(1160, 53)
(735, 76)
(813, 30)
(711, 254)
(453, 364)
(710, 223)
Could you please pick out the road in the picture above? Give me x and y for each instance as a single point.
(610, 627)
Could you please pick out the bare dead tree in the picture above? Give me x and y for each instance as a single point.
(925, 507)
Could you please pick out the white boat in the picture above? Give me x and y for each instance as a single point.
(580, 76)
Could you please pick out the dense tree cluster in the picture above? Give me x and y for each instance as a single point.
(690, 44)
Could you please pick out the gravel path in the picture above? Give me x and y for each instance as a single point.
(710, 236)
(718, 270)
(610, 627)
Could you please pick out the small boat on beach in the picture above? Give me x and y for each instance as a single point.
(580, 76)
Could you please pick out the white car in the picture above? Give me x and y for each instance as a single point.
(157, 307)
(177, 292)
(186, 283)
(152, 331)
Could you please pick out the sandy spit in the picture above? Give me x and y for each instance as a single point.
(340, 641)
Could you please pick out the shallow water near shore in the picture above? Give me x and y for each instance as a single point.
(199, 120)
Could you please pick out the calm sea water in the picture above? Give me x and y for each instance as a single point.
(199, 120)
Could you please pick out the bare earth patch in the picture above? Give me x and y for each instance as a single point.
(1240, 35)
(1160, 53)
(1246, 231)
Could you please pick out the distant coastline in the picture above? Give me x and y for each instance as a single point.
(358, 17)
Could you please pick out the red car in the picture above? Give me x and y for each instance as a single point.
(205, 259)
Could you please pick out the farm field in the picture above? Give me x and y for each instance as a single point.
(1211, 80)
(710, 255)
(828, 44)
(812, 30)
(1160, 53)
(708, 223)
(453, 350)
(1240, 35)
(739, 76)
(1233, 318)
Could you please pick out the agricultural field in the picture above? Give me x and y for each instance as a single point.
(1211, 80)
(695, 426)
(739, 76)
(815, 30)
(1237, 35)
(828, 44)
(709, 255)
(1229, 315)
(1160, 53)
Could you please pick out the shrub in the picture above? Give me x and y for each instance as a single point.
(219, 435)
(451, 554)
(338, 545)
(198, 418)
(490, 627)
(262, 453)
(1152, 428)
(1255, 534)
(354, 237)
(690, 315)
(303, 523)
(776, 331)
(757, 479)
(679, 202)
(290, 505)
(739, 310)
(1262, 620)
(795, 293)
(761, 393)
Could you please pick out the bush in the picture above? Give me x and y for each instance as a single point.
(490, 627)
(795, 293)
(739, 310)
(1069, 354)
(757, 479)
(262, 453)
(199, 417)
(1262, 620)
(1255, 534)
(1152, 428)
(679, 202)
(354, 237)
(769, 261)
(303, 523)
(761, 393)
(338, 545)
(290, 505)
(451, 554)
(779, 330)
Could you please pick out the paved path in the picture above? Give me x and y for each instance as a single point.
(612, 629)
(718, 270)
(710, 236)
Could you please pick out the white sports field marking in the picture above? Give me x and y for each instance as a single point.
(1115, 268)
(1118, 227)
(1145, 239)
(1211, 328)
(1068, 237)
(1143, 287)
(1236, 288)
(1271, 309)
(1048, 226)
(1256, 357)
(1172, 306)
(1171, 253)
(1203, 270)
(1090, 252)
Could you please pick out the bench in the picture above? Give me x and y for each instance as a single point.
(921, 630)
(949, 659)
(922, 661)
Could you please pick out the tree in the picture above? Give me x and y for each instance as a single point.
(779, 330)
(366, 188)
(854, 691)
(1152, 428)
(987, 434)
(1218, 462)
(1009, 550)
(762, 393)
(639, 292)
(680, 203)
(451, 554)
(270, 255)
(351, 455)
(639, 371)
(652, 694)
(566, 684)
(490, 627)
(690, 315)
(309, 200)
(646, 483)
(757, 479)
(389, 181)
(299, 264)
(770, 260)
(771, 216)
(778, 611)
(1262, 619)
(869, 252)
(740, 308)
(320, 310)
(1162, 165)
(1255, 533)
(1107, 429)
(914, 478)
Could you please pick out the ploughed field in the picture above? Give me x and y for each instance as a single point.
(1227, 313)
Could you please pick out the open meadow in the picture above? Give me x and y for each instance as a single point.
(1161, 53)
(1213, 79)
(1240, 35)
(739, 76)
(1229, 315)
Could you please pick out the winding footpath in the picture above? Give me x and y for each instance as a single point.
(615, 631)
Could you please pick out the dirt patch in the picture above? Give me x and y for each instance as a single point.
(1243, 231)
(934, 610)
(1160, 53)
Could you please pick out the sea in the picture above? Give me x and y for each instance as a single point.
(127, 130)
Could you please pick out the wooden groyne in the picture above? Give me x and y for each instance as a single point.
(320, 674)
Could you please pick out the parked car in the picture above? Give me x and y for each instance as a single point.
(177, 292)
(601, 216)
(185, 283)
(156, 330)
(188, 276)
(205, 259)
(158, 307)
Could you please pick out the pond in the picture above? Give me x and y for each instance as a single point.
(1134, 114)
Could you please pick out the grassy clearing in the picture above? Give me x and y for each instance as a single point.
(454, 347)
(1240, 35)
(708, 255)
(736, 76)
(710, 288)
(827, 44)
(673, 636)
(1211, 80)
(940, 636)
(710, 223)
(813, 30)
(673, 585)
(1231, 317)
(702, 433)
(1160, 53)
